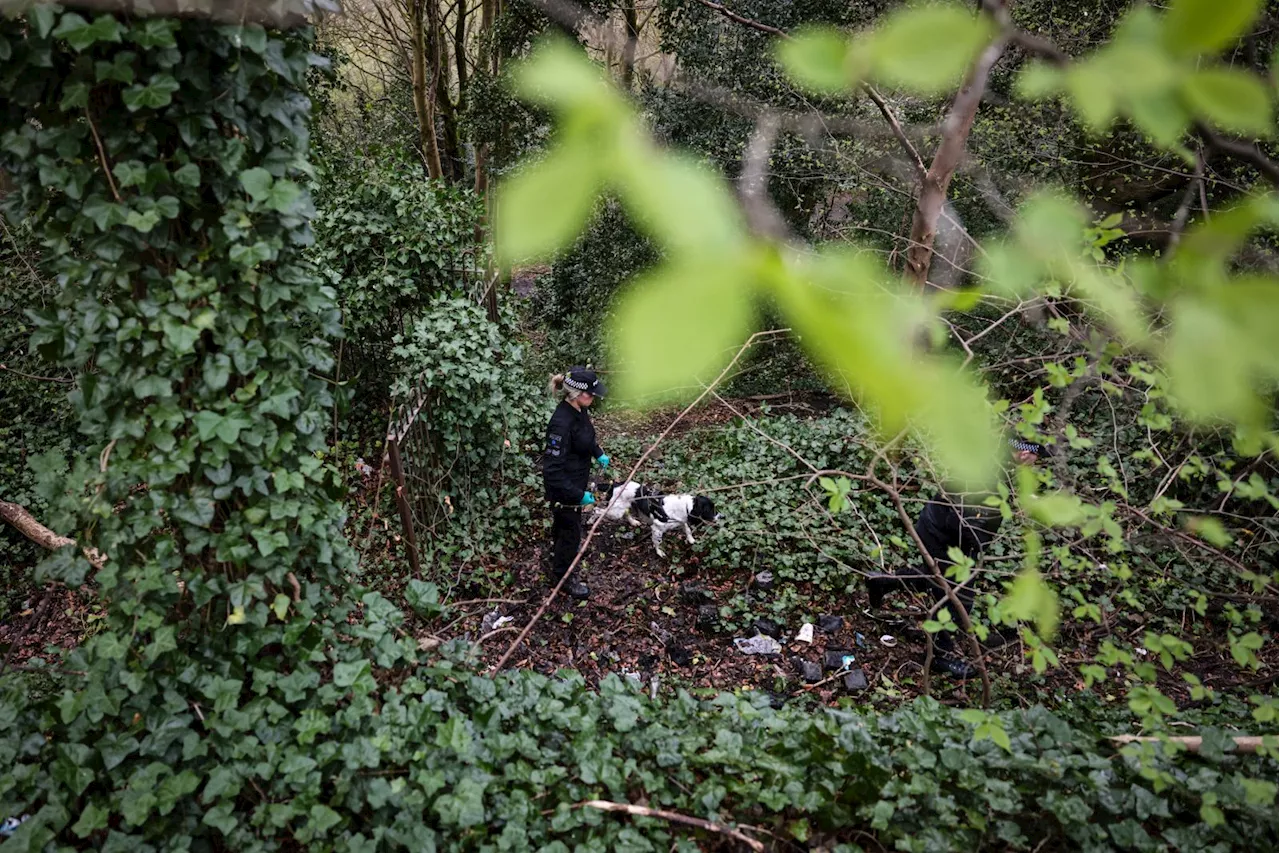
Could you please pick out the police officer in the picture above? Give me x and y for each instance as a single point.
(571, 445)
(968, 525)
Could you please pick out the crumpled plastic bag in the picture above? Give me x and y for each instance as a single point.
(758, 645)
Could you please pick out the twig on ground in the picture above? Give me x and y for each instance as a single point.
(674, 817)
(1193, 743)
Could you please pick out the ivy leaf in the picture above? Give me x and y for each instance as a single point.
(187, 176)
(544, 206)
(284, 196)
(105, 214)
(679, 325)
(323, 819)
(222, 818)
(130, 173)
(252, 36)
(154, 32)
(230, 426)
(74, 96)
(119, 69)
(152, 386)
(142, 221)
(1194, 27)
(820, 59)
(1233, 99)
(155, 94)
(79, 33)
(206, 424)
(256, 182)
(347, 673)
(93, 818)
(424, 598)
(43, 16)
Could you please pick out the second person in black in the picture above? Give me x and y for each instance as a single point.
(571, 446)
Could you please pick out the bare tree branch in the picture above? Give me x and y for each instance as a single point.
(25, 523)
(955, 138)
(753, 184)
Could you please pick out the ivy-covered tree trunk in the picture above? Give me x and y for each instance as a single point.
(162, 163)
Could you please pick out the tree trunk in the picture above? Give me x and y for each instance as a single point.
(933, 188)
(422, 85)
(629, 49)
(450, 155)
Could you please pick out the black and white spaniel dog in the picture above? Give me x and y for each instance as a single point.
(638, 505)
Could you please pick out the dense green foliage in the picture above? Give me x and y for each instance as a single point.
(36, 429)
(389, 243)
(243, 693)
(482, 413)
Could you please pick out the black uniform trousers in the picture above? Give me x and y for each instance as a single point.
(566, 537)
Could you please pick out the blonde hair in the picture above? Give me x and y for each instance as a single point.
(559, 390)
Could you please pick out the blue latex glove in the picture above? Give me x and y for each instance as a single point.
(587, 499)
(603, 459)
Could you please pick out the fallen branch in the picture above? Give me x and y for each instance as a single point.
(674, 817)
(25, 523)
(1242, 743)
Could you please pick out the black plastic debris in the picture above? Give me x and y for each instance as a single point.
(830, 624)
(708, 617)
(679, 655)
(694, 593)
(855, 681)
(764, 581)
(810, 671)
(833, 659)
(769, 628)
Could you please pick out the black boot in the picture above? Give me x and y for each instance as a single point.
(954, 667)
(574, 586)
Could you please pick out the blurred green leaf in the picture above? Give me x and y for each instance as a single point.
(1232, 99)
(864, 331)
(819, 58)
(1030, 599)
(927, 49)
(558, 75)
(1210, 530)
(680, 202)
(543, 207)
(678, 326)
(1194, 27)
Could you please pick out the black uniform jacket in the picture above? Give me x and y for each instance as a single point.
(571, 445)
(969, 527)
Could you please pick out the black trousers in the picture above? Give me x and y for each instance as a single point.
(566, 537)
(917, 582)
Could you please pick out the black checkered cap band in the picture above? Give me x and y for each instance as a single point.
(1030, 447)
(580, 379)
